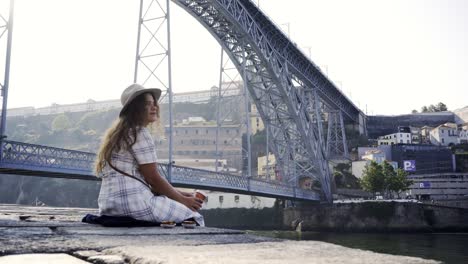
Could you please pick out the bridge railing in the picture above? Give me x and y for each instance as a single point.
(220, 180)
(25, 155)
(37, 158)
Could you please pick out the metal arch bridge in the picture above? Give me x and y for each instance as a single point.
(291, 93)
(29, 159)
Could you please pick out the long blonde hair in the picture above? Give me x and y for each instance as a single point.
(123, 133)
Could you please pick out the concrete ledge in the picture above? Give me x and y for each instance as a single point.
(43, 231)
(41, 259)
(294, 252)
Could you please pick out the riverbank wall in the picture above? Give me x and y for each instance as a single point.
(376, 216)
(245, 218)
(363, 216)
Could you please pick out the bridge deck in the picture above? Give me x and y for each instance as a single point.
(29, 159)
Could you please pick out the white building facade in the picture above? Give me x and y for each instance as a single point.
(395, 138)
(463, 137)
(444, 135)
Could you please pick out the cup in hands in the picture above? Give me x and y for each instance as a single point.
(200, 195)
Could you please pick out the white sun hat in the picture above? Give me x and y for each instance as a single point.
(135, 90)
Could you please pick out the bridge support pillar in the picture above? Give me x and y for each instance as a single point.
(336, 136)
(6, 81)
(153, 56)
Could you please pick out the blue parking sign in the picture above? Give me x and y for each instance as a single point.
(409, 165)
(424, 185)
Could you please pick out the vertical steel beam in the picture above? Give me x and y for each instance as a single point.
(343, 136)
(247, 115)
(330, 120)
(336, 136)
(267, 151)
(6, 82)
(218, 108)
(231, 99)
(169, 87)
(137, 56)
(153, 56)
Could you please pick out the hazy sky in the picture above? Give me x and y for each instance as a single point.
(390, 56)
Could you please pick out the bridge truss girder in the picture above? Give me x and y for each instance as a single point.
(282, 98)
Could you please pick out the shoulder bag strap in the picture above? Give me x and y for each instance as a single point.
(131, 176)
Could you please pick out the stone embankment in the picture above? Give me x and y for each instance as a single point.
(56, 235)
(377, 216)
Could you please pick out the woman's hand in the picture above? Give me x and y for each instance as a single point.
(192, 203)
(187, 194)
(161, 186)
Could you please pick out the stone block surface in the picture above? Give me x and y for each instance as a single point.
(41, 259)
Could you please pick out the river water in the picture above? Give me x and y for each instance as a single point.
(446, 247)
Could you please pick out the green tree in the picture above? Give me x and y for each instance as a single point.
(389, 175)
(339, 179)
(441, 107)
(373, 179)
(400, 182)
(60, 122)
(343, 177)
(414, 111)
(384, 178)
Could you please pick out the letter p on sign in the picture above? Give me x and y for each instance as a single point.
(409, 165)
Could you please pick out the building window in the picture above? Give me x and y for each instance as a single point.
(186, 131)
(236, 198)
(221, 199)
(227, 131)
(182, 142)
(401, 140)
(196, 131)
(207, 131)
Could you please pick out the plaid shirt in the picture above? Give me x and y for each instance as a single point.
(121, 195)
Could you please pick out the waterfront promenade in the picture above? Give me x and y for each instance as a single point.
(57, 235)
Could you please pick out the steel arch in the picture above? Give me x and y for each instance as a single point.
(283, 83)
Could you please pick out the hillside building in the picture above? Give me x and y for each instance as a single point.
(444, 135)
(395, 138)
(196, 138)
